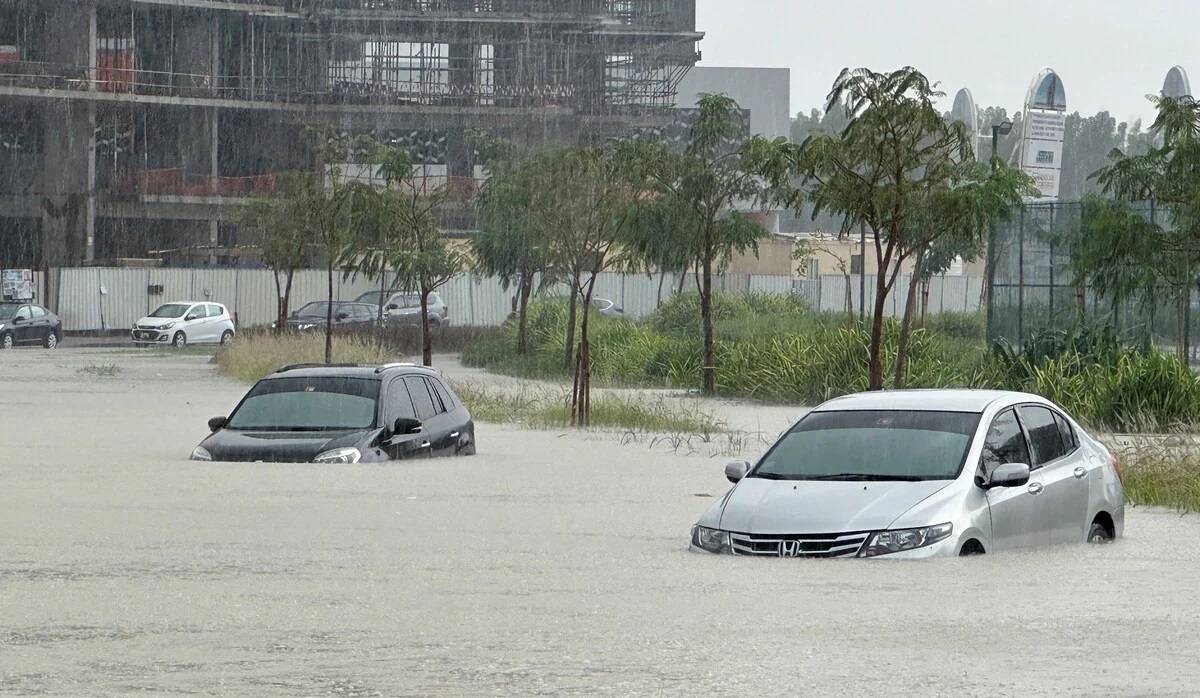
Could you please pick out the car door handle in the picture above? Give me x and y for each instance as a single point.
(1080, 472)
(1035, 488)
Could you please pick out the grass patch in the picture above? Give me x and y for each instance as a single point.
(1162, 472)
(251, 357)
(547, 408)
(100, 370)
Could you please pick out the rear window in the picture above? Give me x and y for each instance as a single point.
(308, 404)
(872, 445)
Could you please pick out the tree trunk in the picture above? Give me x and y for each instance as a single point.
(280, 318)
(876, 349)
(572, 311)
(906, 329)
(849, 299)
(426, 338)
(381, 329)
(1179, 322)
(581, 393)
(662, 277)
(706, 319)
(329, 318)
(525, 290)
(682, 281)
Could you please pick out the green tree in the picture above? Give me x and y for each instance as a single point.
(698, 192)
(284, 238)
(323, 200)
(897, 168)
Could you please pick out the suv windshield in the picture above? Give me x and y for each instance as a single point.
(373, 297)
(317, 403)
(872, 445)
(171, 310)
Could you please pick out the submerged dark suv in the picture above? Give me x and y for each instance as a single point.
(342, 413)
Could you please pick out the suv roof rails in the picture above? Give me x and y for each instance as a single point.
(395, 364)
(294, 367)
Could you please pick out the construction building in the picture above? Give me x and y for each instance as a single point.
(133, 127)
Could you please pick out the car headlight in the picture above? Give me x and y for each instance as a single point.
(339, 455)
(167, 326)
(201, 453)
(885, 542)
(710, 539)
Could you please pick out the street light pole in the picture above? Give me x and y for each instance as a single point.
(1002, 128)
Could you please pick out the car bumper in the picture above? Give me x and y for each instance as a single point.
(944, 548)
(150, 337)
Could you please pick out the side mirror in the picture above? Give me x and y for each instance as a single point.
(191, 317)
(1009, 475)
(407, 425)
(217, 423)
(736, 470)
(393, 306)
(18, 320)
(343, 316)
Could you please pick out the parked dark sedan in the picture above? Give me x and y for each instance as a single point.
(27, 323)
(314, 315)
(342, 413)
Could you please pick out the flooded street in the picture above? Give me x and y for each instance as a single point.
(551, 564)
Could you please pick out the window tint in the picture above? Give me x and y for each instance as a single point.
(1043, 434)
(422, 400)
(1066, 432)
(38, 311)
(1005, 443)
(399, 403)
(443, 393)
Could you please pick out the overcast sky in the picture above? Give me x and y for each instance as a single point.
(1109, 53)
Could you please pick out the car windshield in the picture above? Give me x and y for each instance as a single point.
(374, 297)
(872, 445)
(316, 310)
(7, 311)
(321, 403)
(171, 310)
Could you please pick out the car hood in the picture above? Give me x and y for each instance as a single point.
(158, 321)
(279, 446)
(812, 506)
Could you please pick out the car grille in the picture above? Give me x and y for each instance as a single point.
(803, 545)
(147, 327)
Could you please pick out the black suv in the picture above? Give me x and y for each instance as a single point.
(342, 413)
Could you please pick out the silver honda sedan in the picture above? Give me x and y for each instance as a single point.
(920, 473)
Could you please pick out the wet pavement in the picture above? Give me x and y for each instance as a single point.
(550, 564)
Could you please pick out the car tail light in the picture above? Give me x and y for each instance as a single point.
(1116, 467)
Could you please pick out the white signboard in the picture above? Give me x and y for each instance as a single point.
(16, 284)
(1043, 132)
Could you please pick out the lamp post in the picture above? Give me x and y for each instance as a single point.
(1001, 129)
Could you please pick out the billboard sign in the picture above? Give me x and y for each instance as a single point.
(1043, 131)
(16, 284)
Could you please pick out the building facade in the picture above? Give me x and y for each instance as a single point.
(132, 129)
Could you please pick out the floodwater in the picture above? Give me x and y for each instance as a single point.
(550, 564)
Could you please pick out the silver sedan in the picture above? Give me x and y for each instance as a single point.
(920, 473)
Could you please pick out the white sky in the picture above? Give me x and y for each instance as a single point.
(1109, 53)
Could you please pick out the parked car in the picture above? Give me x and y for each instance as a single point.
(403, 308)
(607, 308)
(185, 322)
(343, 413)
(316, 314)
(920, 473)
(28, 324)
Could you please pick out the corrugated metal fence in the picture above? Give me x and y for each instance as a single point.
(104, 298)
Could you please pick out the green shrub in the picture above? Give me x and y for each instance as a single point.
(968, 326)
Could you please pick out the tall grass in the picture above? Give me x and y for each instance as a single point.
(253, 356)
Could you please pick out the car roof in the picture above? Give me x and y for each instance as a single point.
(189, 303)
(369, 371)
(956, 400)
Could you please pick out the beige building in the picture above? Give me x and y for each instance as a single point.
(826, 254)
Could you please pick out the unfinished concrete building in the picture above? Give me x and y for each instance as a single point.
(133, 127)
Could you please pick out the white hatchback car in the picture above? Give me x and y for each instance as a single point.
(182, 323)
(920, 473)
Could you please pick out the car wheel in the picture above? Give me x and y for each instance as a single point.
(7, 341)
(1099, 534)
(52, 340)
(180, 340)
(971, 547)
(226, 337)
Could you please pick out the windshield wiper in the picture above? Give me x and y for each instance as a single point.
(769, 476)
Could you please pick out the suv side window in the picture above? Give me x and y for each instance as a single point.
(1005, 443)
(1043, 434)
(398, 402)
(422, 400)
(443, 393)
(1070, 443)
